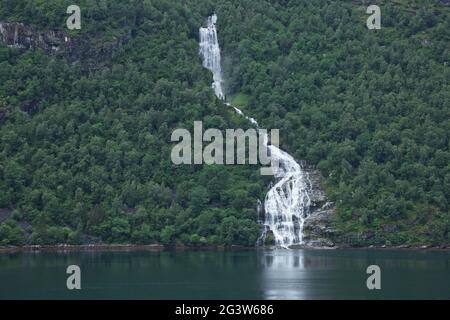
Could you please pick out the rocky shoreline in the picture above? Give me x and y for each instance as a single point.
(64, 248)
(115, 248)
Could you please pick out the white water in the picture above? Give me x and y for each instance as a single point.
(210, 50)
(287, 202)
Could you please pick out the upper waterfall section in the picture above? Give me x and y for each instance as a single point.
(210, 51)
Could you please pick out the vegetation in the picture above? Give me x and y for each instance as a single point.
(85, 155)
(370, 108)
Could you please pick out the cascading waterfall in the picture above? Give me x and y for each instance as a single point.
(287, 202)
(210, 50)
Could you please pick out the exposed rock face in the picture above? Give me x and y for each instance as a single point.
(81, 49)
(20, 36)
(318, 230)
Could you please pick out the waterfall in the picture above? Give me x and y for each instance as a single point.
(287, 202)
(210, 50)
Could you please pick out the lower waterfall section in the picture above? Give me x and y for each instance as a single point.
(287, 203)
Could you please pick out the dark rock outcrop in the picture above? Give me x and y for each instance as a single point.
(23, 37)
(318, 228)
(5, 214)
(3, 113)
(83, 49)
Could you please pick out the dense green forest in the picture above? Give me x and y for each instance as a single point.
(91, 159)
(370, 108)
(85, 152)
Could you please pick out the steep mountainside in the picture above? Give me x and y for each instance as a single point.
(369, 108)
(85, 152)
(86, 118)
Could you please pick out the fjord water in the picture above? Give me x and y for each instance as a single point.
(286, 203)
(251, 274)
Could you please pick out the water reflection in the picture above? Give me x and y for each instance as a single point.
(278, 274)
(285, 274)
(341, 274)
(313, 274)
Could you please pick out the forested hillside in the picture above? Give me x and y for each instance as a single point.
(370, 108)
(85, 152)
(85, 155)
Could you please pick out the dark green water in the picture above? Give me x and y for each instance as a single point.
(281, 274)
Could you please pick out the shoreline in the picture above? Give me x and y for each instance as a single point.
(114, 248)
(64, 248)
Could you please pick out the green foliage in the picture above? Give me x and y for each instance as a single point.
(11, 233)
(87, 153)
(370, 108)
(240, 100)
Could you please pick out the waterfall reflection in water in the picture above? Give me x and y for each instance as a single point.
(284, 274)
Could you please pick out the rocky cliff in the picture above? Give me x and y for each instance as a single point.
(318, 229)
(78, 48)
(19, 36)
